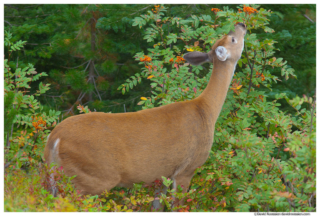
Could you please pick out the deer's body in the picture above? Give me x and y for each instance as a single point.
(107, 150)
(146, 145)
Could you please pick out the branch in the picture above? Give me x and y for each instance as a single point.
(305, 15)
(94, 82)
(133, 13)
(254, 175)
(251, 67)
(311, 200)
(8, 5)
(285, 183)
(75, 66)
(27, 16)
(96, 70)
(52, 95)
(87, 65)
(140, 10)
(82, 28)
(127, 100)
(35, 44)
(69, 110)
(267, 136)
(8, 23)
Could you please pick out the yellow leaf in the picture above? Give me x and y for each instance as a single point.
(143, 98)
(133, 200)
(149, 77)
(239, 87)
(190, 50)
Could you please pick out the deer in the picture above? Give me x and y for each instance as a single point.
(105, 150)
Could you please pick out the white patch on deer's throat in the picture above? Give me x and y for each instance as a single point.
(235, 65)
(242, 46)
(234, 69)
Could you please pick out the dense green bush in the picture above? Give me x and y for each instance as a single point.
(262, 159)
(26, 124)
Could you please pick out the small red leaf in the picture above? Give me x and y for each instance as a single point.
(189, 200)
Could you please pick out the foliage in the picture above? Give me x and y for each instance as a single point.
(256, 144)
(263, 158)
(26, 124)
(298, 47)
(81, 70)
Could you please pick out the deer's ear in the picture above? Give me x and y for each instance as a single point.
(222, 53)
(197, 58)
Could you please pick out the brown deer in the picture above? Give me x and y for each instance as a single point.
(106, 150)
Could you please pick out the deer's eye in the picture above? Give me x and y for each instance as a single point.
(233, 40)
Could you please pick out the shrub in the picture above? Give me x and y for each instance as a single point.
(26, 124)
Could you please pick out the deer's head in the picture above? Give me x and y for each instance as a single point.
(228, 48)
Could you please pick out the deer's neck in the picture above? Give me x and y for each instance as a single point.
(216, 91)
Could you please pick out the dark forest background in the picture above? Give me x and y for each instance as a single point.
(87, 50)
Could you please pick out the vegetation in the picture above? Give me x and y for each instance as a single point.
(264, 153)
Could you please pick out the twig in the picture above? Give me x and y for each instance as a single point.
(75, 66)
(80, 97)
(96, 70)
(310, 200)
(87, 65)
(8, 23)
(251, 67)
(69, 110)
(95, 86)
(132, 13)
(140, 10)
(253, 176)
(305, 15)
(8, 5)
(53, 96)
(35, 44)
(126, 100)
(285, 183)
(268, 131)
(264, 66)
(27, 16)
(82, 28)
